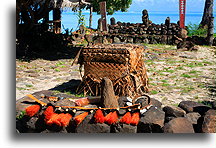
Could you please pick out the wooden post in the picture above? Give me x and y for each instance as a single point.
(210, 35)
(57, 20)
(90, 17)
(182, 8)
(103, 15)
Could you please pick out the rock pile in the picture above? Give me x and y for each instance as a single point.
(188, 117)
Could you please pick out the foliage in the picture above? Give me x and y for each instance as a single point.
(67, 30)
(194, 30)
(30, 12)
(21, 115)
(112, 5)
(81, 18)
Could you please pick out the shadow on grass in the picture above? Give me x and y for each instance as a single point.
(69, 87)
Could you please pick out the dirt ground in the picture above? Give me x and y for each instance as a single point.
(173, 75)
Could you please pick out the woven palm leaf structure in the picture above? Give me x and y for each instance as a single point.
(123, 64)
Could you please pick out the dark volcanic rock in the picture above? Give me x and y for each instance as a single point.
(191, 106)
(156, 103)
(124, 101)
(123, 128)
(214, 104)
(169, 118)
(64, 102)
(193, 117)
(174, 111)
(179, 125)
(209, 121)
(63, 130)
(88, 126)
(152, 122)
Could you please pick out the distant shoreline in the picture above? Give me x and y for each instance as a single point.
(69, 18)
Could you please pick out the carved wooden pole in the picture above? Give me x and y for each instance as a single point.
(103, 15)
(182, 8)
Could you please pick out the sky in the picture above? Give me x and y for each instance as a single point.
(167, 5)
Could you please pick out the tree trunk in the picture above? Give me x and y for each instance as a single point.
(90, 17)
(210, 35)
(208, 12)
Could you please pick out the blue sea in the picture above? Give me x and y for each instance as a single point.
(70, 19)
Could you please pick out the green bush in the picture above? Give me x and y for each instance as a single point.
(194, 30)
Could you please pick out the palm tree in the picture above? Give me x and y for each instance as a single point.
(207, 14)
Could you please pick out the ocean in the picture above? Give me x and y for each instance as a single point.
(70, 19)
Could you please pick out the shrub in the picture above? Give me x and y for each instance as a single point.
(194, 30)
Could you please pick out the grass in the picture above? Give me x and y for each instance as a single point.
(164, 81)
(207, 62)
(176, 104)
(29, 85)
(185, 76)
(187, 89)
(57, 70)
(153, 84)
(180, 68)
(193, 71)
(60, 64)
(165, 84)
(153, 92)
(55, 92)
(21, 88)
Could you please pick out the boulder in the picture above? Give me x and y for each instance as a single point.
(116, 40)
(124, 101)
(191, 106)
(152, 121)
(123, 128)
(64, 102)
(88, 126)
(174, 111)
(179, 125)
(193, 117)
(130, 40)
(168, 119)
(214, 42)
(209, 121)
(155, 103)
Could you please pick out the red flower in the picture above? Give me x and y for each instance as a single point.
(32, 110)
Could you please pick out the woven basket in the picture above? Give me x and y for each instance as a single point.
(121, 63)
